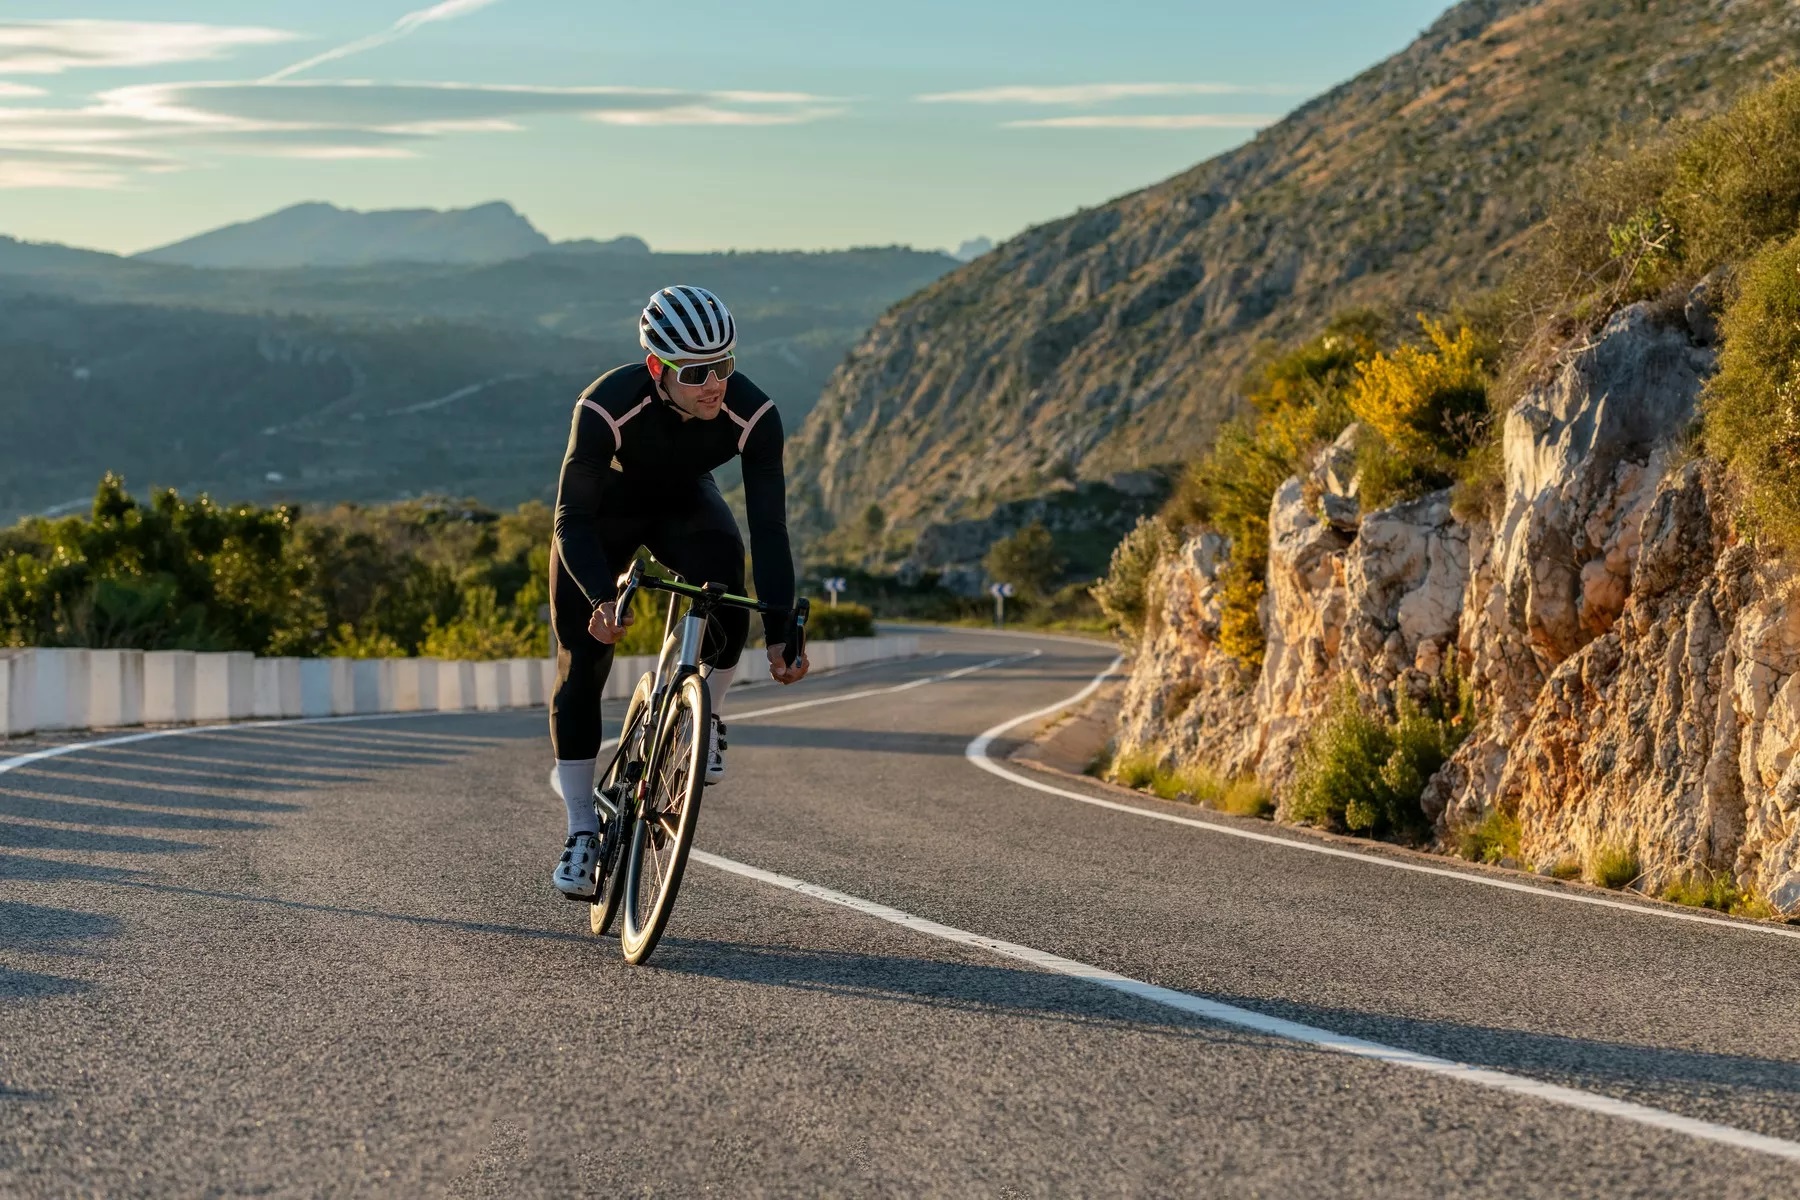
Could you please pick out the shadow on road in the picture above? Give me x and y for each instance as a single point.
(935, 983)
(92, 817)
(1580, 1062)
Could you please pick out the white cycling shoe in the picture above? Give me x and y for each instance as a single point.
(580, 863)
(715, 752)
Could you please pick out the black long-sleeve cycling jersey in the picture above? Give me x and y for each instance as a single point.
(630, 451)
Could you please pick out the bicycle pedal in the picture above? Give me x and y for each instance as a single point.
(574, 899)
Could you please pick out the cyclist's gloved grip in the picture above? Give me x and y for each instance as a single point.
(796, 643)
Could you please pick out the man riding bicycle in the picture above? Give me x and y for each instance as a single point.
(643, 444)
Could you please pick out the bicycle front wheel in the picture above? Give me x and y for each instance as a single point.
(661, 839)
(620, 784)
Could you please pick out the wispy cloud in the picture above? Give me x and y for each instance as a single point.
(164, 125)
(447, 10)
(701, 114)
(18, 91)
(357, 104)
(52, 47)
(1094, 93)
(1150, 121)
(24, 173)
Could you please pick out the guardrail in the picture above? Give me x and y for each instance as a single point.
(48, 690)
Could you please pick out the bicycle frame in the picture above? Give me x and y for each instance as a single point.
(680, 655)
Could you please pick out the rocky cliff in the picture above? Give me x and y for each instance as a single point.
(1636, 671)
(1113, 339)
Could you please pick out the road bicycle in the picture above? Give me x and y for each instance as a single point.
(648, 798)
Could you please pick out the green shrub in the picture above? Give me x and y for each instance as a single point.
(171, 574)
(1133, 770)
(1705, 889)
(483, 629)
(1365, 774)
(829, 622)
(1027, 559)
(1736, 180)
(1662, 215)
(1123, 595)
(1567, 867)
(1426, 403)
(1492, 841)
(1615, 865)
(348, 643)
(1424, 409)
(1297, 405)
(1752, 405)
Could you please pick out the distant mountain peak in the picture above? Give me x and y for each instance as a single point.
(319, 234)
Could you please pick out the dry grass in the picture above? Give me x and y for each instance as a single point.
(1615, 866)
(1241, 797)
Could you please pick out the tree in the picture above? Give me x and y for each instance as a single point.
(1029, 560)
(874, 521)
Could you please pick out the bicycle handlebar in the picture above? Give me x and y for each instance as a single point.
(634, 580)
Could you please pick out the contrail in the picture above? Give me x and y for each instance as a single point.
(444, 10)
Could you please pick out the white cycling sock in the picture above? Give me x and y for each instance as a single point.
(575, 783)
(718, 683)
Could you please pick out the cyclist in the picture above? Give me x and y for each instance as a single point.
(643, 444)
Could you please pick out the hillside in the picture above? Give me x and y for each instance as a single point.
(1115, 338)
(381, 381)
(323, 235)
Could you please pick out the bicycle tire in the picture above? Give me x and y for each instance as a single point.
(660, 840)
(605, 907)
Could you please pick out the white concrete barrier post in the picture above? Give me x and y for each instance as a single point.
(490, 680)
(527, 682)
(224, 686)
(168, 687)
(547, 681)
(18, 695)
(415, 684)
(115, 688)
(278, 690)
(456, 686)
(62, 688)
(326, 687)
(290, 686)
(374, 684)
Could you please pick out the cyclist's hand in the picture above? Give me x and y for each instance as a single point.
(605, 627)
(780, 672)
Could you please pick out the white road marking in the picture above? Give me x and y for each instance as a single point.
(977, 753)
(1243, 1018)
(884, 691)
(754, 713)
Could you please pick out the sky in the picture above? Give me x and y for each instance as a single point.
(792, 124)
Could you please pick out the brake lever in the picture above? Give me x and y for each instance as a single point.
(796, 642)
(627, 585)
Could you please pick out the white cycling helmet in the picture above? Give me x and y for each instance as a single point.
(682, 321)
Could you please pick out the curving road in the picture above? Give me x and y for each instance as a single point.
(324, 959)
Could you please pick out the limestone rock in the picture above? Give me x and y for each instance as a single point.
(1583, 454)
(1186, 700)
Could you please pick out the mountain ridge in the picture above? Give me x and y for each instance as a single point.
(319, 234)
(1114, 338)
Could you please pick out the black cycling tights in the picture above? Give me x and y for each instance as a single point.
(698, 539)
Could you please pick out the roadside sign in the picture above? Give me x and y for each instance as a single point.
(1000, 591)
(835, 585)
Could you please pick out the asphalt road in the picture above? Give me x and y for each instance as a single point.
(325, 959)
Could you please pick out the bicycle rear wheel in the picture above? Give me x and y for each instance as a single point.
(661, 838)
(619, 782)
